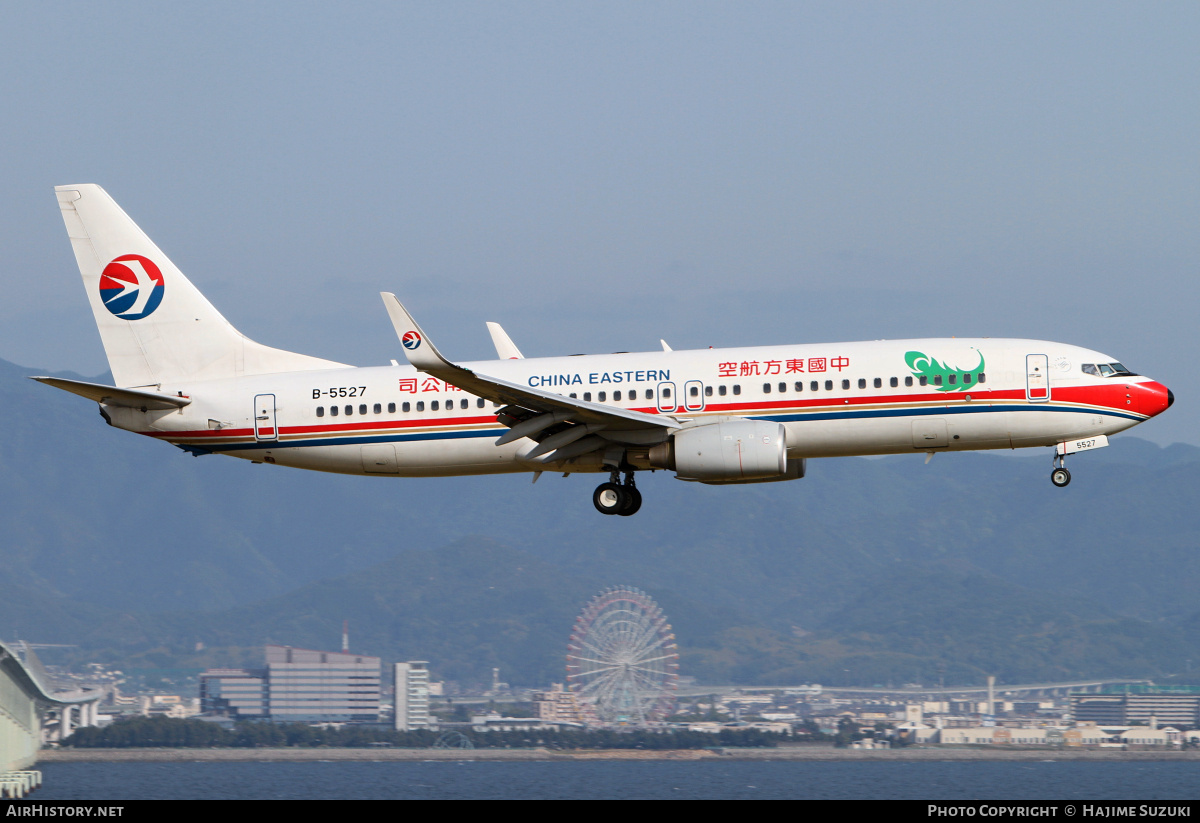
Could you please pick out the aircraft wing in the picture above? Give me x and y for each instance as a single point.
(531, 412)
(112, 396)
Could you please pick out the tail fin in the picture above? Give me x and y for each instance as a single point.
(155, 325)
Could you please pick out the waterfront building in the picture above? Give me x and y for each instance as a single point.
(325, 687)
(297, 685)
(234, 692)
(1137, 705)
(494, 722)
(412, 696)
(557, 705)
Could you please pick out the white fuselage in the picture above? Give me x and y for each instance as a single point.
(834, 399)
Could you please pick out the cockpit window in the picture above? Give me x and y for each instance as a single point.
(1106, 369)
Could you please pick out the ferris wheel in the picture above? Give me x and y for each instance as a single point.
(622, 660)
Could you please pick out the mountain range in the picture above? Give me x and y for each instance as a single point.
(866, 571)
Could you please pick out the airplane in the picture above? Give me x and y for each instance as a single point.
(184, 375)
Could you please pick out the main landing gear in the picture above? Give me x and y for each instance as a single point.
(614, 497)
(1060, 476)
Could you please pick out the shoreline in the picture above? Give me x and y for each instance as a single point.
(806, 753)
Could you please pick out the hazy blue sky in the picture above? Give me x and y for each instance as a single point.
(598, 175)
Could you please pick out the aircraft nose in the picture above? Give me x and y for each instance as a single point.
(1155, 398)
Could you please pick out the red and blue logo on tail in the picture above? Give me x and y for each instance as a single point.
(131, 287)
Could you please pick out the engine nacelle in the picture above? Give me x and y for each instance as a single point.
(734, 452)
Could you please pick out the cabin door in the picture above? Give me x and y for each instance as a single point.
(264, 418)
(1037, 378)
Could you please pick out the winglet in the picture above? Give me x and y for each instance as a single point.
(505, 348)
(418, 348)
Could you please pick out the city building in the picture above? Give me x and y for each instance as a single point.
(412, 696)
(298, 685)
(234, 692)
(557, 705)
(1136, 705)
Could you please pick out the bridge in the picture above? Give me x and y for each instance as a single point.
(30, 714)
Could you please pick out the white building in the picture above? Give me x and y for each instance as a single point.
(412, 696)
(557, 705)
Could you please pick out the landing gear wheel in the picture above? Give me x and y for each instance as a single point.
(610, 498)
(1060, 477)
(633, 501)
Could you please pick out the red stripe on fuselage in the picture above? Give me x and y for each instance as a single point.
(1108, 396)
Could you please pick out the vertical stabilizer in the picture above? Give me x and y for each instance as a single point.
(155, 325)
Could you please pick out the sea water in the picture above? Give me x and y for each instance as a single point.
(715, 779)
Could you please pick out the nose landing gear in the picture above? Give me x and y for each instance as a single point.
(614, 497)
(1060, 476)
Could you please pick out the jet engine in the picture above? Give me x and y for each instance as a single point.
(738, 451)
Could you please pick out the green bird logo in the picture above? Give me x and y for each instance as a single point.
(952, 379)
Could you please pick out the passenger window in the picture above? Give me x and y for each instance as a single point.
(574, 396)
(434, 405)
(420, 405)
(967, 379)
(982, 378)
(694, 391)
(391, 408)
(862, 382)
(708, 391)
(320, 411)
(878, 383)
(923, 380)
(845, 385)
(587, 397)
(666, 392)
(649, 394)
(333, 411)
(378, 408)
(908, 381)
(406, 408)
(479, 403)
(349, 410)
(617, 396)
(799, 386)
(828, 385)
(721, 390)
(814, 386)
(894, 382)
(766, 388)
(602, 396)
(782, 388)
(362, 409)
(937, 380)
(464, 403)
(952, 378)
(737, 388)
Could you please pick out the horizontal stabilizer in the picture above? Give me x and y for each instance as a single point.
(112, 396)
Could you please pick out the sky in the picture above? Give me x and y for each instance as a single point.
(596, 176)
